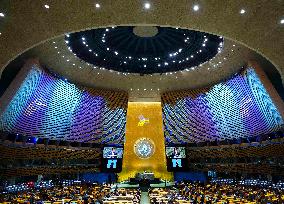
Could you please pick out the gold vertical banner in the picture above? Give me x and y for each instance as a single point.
(144, 120)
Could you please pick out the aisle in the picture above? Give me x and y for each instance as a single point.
(144, 198)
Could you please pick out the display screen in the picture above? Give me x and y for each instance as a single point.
(112, 152)
(175, 152)
(212, 174)
(176, 159)
(112, 159)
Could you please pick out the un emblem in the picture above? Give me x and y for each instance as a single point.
(144, 148)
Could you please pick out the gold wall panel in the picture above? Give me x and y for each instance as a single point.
(136, 128)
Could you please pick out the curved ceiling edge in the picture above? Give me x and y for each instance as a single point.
(139, 16)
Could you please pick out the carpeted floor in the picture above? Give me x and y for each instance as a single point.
(145, 198)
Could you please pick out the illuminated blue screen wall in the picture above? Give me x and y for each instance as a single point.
(239, 107)
(45, 106)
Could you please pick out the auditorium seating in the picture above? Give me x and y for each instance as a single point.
(249, 168)
(19, 160)
(58, 194)
(263, 157)
(162, 195)
(243, 191)
(123, 195)
(214, 193)
(250, 182)
(264, 149)
(75, 193)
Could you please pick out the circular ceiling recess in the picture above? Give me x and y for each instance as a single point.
(145, 31)
(144, 50)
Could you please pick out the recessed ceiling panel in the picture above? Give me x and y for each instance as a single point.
(144, 50)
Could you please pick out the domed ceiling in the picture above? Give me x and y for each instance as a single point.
(70, 58)
(257, 25)
(144, 49)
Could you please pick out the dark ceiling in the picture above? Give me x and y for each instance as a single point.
(121, 49)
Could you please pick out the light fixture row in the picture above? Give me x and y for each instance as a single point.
(159, 64)
(144, 89)
(147, 6)
(211, 63)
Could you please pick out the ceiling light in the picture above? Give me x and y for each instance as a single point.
(2, 15)
(147, 5)
(282, 21)
(98, 5)
(46, 6)
(242, 11)
(196, 7)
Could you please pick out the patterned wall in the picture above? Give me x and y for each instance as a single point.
(239, 107)
(152, 130)
(45, 106)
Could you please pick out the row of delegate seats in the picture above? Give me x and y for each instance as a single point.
(227, 194)
(123, 195)
(77, 194)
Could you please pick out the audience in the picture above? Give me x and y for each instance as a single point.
(225, 193)
(79, 193)
(167, 195)
(123, 195)
(182, 192)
